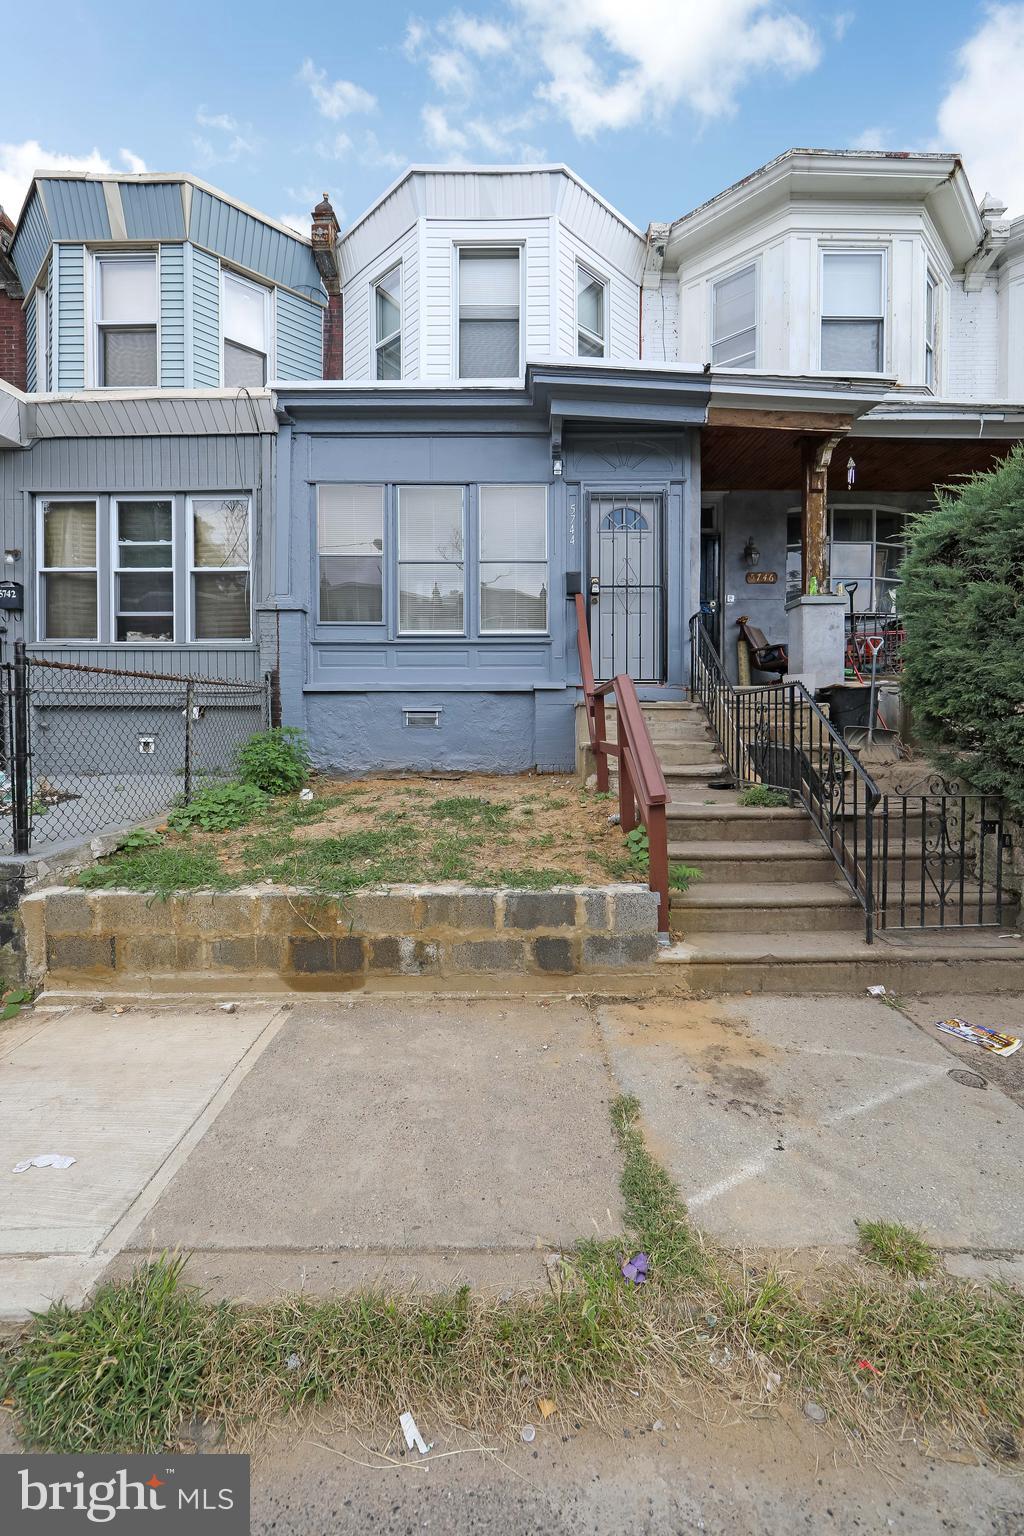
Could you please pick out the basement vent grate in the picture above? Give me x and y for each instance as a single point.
(421, 719)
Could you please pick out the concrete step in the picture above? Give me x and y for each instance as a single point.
(769, 908)
(688, 821)
(813, 962)
(689, 754)
(774, 861)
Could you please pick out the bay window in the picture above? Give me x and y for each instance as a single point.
(68, 572)
(431, 559)
(853, 311)
(931, 319)
(143, 571)
(246, 329)
(734, 320)
(219, 542)
(590, 314)
(126, 312)
(387, 306)
(350, 545)
(513, 559)
(488, 313)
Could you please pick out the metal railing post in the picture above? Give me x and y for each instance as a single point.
(21, 778)
(188, 741)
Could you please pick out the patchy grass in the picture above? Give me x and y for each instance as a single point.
(897, 1248)
(494, 831)
(884, 1357)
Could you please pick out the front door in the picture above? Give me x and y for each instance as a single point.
(627, 586)
(710, 554)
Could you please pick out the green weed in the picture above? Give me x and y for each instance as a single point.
(276, 761)
(161, 870)
(760, 795)
(220, 808)
(898, 1248)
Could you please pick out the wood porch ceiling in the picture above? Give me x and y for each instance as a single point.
(766, 459)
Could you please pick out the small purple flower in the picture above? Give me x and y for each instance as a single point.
(635, 1269)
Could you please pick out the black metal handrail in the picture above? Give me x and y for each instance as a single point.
(775, 735)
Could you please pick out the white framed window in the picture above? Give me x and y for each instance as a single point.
(591, 313)
(867, 546)
(488, 292)
(142, 543)
(431, 559)
(245, 311)
(387, 324)
(350, 552)
(513, 559)
(126, 321)
(931, 329)
(853, 311)
(220, 586)
(42, 341)
(68, 572)
(734, 319)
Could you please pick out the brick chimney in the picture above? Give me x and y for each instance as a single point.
(325, 251)
(13, 350)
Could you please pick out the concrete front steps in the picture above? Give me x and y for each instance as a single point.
(682, 739)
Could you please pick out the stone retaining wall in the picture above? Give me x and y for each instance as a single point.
(260, 935)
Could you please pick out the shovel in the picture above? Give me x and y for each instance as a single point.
(876, 744)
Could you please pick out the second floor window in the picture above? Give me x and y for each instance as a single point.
(931, 327)
(590, 314)
(387, 307)
(126, 322)
(488, 314)
(852, 311)
(245, 333)
(734, 320)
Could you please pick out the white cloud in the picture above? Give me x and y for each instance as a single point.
(451, 71)
(608, 65)
(980, 115)
(415, 37)
(841, 24)
(19, 161)
(300, 222)
(484, 38)
(873, 138)
(222, 120)
(442, 134)
(367, 149)
(335, 98)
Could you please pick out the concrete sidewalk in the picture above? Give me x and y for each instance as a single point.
(412, 1141)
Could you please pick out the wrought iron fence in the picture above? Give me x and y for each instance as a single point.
(86, 748)
(913, 860)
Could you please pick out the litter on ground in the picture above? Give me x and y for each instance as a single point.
(876, 991)
(635, 1269)
(413, 1439)
(44, 1160)
(528, 1434)
(977, 1034)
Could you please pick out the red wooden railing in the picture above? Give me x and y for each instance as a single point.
(643, 793)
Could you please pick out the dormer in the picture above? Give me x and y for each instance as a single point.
(148, 280)
(463, 274)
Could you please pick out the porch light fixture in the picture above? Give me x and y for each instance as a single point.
(11, 556)
(851, 473)
(751, 553)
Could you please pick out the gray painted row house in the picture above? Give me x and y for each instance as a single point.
(532, 397)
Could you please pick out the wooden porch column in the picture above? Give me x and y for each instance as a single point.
(817, 454)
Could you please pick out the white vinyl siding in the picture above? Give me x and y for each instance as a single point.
(734, 319)
(853, 311)
(622, 299)
(441, 240)
(359, 334)
(350, 549)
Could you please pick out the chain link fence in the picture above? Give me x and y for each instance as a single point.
(89, 749)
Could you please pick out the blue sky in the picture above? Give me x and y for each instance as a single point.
(657, 103)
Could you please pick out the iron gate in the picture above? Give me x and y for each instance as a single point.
(627, 586)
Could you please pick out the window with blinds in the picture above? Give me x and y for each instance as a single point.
(431, 559)
(513, 559)
(68, 590)
(853, 311)
(126, 315)
(219, 545)
(350, 544)
(246, 329)
(734, 320)
(488, 313)
(387, 305)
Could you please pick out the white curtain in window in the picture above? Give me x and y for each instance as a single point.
(128, 291)
(852, 283)
(69, 534)
(245, 313)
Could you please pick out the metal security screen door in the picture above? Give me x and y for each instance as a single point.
(627, 586)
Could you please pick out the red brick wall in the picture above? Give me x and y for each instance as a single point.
(333, 355)
(13, 355)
